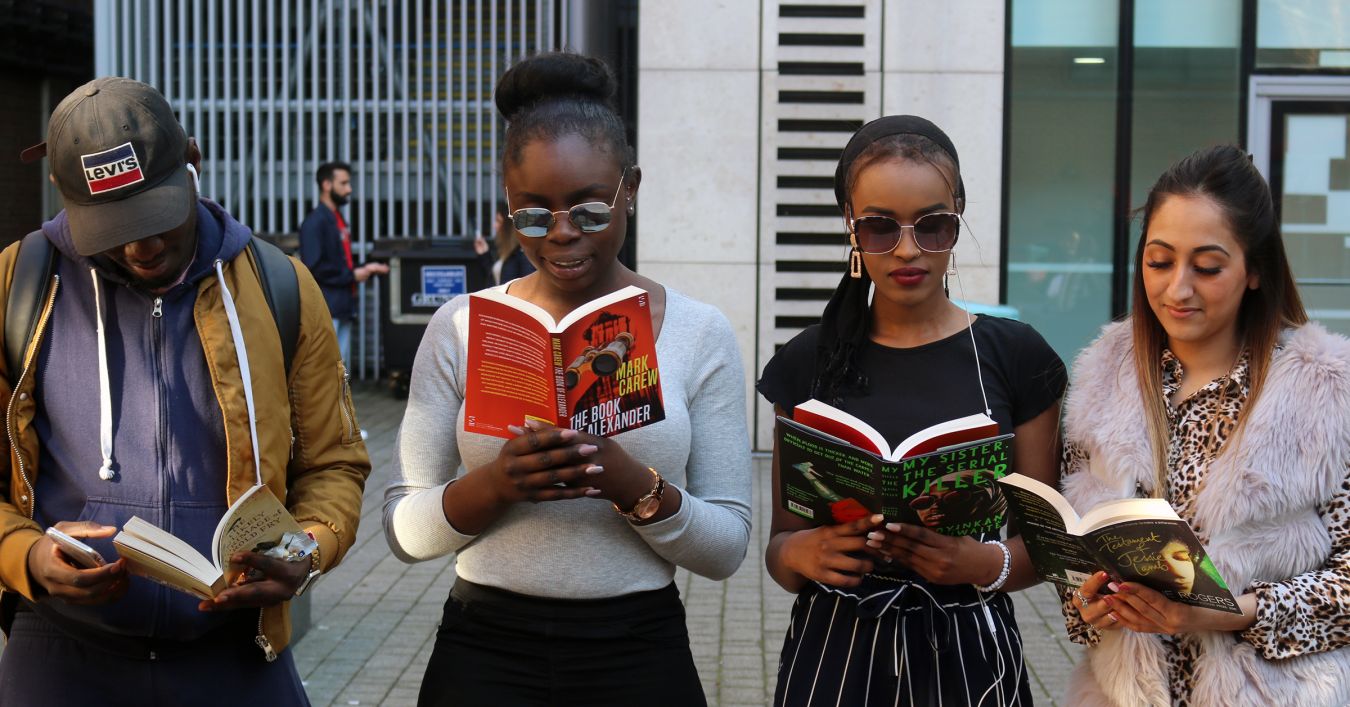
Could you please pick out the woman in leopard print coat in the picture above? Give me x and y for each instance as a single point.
(1218, 396)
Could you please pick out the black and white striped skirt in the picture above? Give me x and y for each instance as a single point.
(901, 642)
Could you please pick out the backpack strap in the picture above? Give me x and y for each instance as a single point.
(33, 268)
(282, 289)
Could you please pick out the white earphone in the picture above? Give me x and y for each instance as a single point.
(196, 183)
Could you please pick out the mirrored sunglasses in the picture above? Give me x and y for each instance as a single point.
(934, 233)
(590, 217)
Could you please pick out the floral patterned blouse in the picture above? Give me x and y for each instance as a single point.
(1288, 619)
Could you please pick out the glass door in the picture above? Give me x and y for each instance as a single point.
(1309, 170)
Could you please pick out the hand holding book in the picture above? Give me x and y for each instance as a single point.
(266, 581)
(1108, 606)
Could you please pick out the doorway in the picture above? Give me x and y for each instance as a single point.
(1299, 136)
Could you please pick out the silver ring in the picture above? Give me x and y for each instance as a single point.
(1082, 600)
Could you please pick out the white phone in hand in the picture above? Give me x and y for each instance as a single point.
(79, 553)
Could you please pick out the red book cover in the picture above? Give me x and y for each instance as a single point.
(595, 370)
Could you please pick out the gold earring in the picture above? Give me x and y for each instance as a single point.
(854, 258)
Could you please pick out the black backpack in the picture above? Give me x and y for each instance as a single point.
(36, 261)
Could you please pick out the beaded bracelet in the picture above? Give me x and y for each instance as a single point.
(1002, 575)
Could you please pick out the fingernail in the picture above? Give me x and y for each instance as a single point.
(516, 430)
(1110, 600)
(877, 518)
(594, 469)
(874, 535)
(587, 449)
(534, 424)
(873, 543)
(592, 492)
(893, 527)
(1125, 588)
(1114, 587)
(568, 434)
(1101, 575)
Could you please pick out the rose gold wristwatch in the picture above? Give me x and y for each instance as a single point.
(648, 505)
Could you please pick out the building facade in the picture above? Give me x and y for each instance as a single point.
(1064, 112)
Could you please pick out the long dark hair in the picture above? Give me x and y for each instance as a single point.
(1226, 176)
(552, 94)
(846, 322)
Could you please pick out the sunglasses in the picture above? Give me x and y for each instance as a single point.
(590, 217)
(933, 233)
(926, 502)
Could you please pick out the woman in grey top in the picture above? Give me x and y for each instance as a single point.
(568, 599)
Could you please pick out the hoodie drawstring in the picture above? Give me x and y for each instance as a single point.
(238, 333)
(105, 431)
(105, 434)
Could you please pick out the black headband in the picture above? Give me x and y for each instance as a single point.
(885, 127)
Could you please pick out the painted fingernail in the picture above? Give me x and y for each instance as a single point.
(592, 492)
(516, 430)
(893, 527)
(587, 449)
(1110, 600)
(567, 435)
(874, 535)
(594, 469)
(534, 424)
(877, 518)
(1114, 587)
(873, 543)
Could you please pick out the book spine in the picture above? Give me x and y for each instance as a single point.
(560, 381)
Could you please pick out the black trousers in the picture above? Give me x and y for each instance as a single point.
(44, 666)
(497, 648)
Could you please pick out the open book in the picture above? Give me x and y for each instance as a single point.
(595, 370)
(1139, 540)
(833, 421)
(255, 522)
(949, 489)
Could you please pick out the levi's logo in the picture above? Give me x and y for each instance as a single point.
(112, 169)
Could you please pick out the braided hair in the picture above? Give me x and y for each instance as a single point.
(846, 323)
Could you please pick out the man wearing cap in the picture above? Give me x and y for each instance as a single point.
(131, 400)
(326, 249)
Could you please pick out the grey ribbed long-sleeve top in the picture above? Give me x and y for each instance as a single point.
(581, 548)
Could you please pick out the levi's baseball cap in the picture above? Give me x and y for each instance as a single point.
(119, 158)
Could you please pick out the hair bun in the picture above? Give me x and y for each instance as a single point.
(554, 75)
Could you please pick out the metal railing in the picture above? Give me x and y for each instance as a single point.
(401, 90)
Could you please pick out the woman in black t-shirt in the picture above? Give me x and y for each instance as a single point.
(935, 626)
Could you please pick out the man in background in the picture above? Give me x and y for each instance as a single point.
(326, 249)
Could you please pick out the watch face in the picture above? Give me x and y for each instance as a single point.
(647, 507)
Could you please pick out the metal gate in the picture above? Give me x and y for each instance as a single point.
(401, 90)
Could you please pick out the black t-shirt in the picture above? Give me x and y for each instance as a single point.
(910, 389)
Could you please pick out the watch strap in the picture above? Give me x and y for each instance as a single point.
(657, 492)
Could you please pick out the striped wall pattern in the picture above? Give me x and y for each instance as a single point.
(822, 81)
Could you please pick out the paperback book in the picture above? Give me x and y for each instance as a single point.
(941, 478)
(255, 522)
(594, 370)
(1140, 540)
